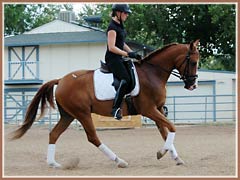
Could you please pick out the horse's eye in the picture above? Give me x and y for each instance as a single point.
(193, 63)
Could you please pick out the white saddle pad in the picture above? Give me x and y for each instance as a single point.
(103, 85)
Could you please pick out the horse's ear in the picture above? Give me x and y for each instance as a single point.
(194, 44)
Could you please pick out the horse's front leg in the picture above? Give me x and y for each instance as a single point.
(163, 124)
(172, 150)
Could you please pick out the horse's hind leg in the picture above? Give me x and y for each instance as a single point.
(87, 123)
(59, 128)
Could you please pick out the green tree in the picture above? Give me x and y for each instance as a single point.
(14, 19)
(151, 24)
(159, 24)
(19, 18)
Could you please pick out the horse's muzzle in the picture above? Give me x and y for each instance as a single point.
(191, 87)
(191, 83)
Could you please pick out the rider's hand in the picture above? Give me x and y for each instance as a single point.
(139, 57)
(134, 55)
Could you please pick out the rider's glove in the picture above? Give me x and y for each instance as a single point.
(134, 55)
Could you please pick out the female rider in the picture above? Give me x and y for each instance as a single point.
(116, 50)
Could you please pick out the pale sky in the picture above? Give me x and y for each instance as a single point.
(78, 6)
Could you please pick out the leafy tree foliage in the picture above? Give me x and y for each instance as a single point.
(14, 19)
(19, 18)
(151, 24)
(160, 24)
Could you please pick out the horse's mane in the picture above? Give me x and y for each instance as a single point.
(149, 56)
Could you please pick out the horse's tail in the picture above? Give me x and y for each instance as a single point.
(44, 94)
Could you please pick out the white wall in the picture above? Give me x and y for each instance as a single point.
(202, 108)
(57, 26)
(59, 60)
(224, 81)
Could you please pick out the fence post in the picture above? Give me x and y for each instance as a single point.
(214, 108)
(206, 110)
(174, 109)
(24, 105)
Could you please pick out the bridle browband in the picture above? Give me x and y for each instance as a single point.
(185, 76)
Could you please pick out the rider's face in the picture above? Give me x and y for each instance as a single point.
(124, 16)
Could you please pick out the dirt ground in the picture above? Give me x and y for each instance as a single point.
(208, 150)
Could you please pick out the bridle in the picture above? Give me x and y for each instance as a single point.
(186, 77)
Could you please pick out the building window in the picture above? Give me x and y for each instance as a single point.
(23, 65)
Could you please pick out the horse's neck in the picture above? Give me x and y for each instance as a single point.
(162, 63)
(152, 74)
(168, 57)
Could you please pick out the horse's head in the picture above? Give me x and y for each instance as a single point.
(182, 57)
(189, 66)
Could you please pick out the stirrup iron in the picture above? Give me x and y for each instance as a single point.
(117, 114)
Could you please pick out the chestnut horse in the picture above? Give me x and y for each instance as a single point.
(76, 99)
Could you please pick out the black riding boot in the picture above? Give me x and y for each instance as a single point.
(116, 110)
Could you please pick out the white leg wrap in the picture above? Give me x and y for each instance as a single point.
(108, 152)
(169, 140)
(51, 156)
(173, 152)
(51, 153)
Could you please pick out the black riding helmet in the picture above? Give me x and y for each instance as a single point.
(122, 8)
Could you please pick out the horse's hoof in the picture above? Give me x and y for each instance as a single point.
(121, 163)
(54, 165)
(179, 161)
(160, 154)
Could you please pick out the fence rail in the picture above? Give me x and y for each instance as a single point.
(199, 109)
(180, 109)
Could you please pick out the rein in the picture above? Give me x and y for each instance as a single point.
(174, 73)
(185, 75)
